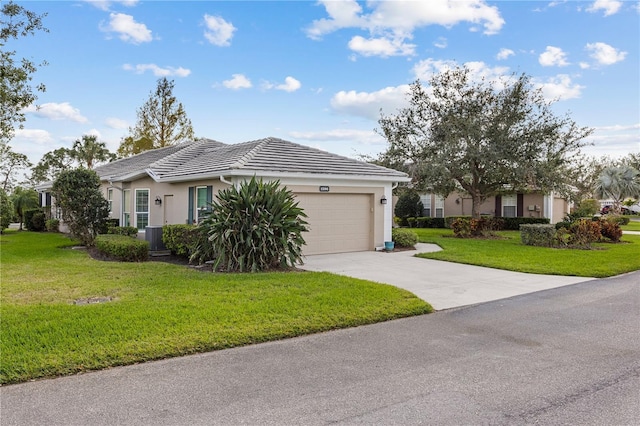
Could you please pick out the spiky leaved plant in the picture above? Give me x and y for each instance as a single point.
(255, 227)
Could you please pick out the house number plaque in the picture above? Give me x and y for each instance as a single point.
(324, 189)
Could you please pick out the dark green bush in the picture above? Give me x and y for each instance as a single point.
(128, 231)
(408, 205)
(429, 222)
(587, 208)
(123, 248)
(255, 227)
(541, 235)
(28, 216)
(404, 237)
(616, 218)
(52, 225)
(37, 222)
(183, 240)
(513, 223)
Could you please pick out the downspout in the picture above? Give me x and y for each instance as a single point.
(224, 180)
(121, 200)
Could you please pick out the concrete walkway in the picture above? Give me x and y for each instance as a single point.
(444, 285)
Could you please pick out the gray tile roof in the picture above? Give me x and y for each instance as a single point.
(208, 158)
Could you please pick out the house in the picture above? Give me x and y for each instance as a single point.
(345, 199)
(533, 204)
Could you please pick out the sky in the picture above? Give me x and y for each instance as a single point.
(319, 72)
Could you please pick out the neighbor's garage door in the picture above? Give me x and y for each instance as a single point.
(338, 222)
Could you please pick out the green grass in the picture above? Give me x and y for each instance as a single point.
(604, 260)
(632, 226)
(160, 310)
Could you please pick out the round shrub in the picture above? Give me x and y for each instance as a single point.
(52, 225)
(37, 223)
(404, 237)
(408, 205)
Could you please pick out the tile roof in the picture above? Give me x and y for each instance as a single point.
(206, 158)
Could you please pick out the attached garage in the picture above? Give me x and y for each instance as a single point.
(338, 223)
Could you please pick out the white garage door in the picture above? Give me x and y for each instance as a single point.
(338, 222)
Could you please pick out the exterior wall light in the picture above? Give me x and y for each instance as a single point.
(383, 200)
(158, 200)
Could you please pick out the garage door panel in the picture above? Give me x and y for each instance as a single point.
(338, 222)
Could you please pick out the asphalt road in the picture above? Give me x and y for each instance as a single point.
(565, 356)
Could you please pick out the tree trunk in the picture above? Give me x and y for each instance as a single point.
(476, 201)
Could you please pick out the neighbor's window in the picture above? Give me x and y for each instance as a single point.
(426, 205)
(439, 206)
(110, 199)
(142, 208)
(126, 207)
(509, 205)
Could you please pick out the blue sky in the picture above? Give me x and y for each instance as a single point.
(318, 72)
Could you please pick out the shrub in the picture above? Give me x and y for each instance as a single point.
(616, 218)
(587, 208)
(513, 223)
(6, 210)
(183, 240)
(404, 237)
(121, 247)
(610, 230)
(429, 222)
(541, 235)
(27, 215)
(583, 233)
(408, 204)
(128, 231)
(254, 227)
(52, 225)
(37, 222)
(466, 227)
(448, 221)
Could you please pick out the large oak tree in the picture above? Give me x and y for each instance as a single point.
(481, 137)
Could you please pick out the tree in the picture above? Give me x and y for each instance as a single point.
(481, 137)
(88, 151)
(84, 209)
(130, 146)
(255, 227)
(6, 210)
(52, 164)
(408, 205)
(10, 164)
(584, 173)
(618, 183)
(24, 199)
(16, 90)
(162, 120)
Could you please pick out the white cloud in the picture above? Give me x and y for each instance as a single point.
(348, 135)
(382, 46)
(427, 68)
(116, 123)
(219, 32)
(33, 135)
(605, 54)
(610, 7)
(440, 43)
(128, 29)
(93, 132)
(369, 104)
(504, 54)
(106, 4)
(390, 23)
(57, 111)
(157, 71)
(290, 85)
(559, 87)
(239, 81)
(553, 56)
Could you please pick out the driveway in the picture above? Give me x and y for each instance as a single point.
(444, 285)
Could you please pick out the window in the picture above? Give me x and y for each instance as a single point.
(110, 199)
(201, 201)
(142, 209)
(126, 207)
(439, 206)
(509, 205)
(426, 205)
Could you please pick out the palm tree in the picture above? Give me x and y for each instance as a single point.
(88, 151)
(23, 200)
(617, 184)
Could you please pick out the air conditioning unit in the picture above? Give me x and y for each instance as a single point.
(153, 234)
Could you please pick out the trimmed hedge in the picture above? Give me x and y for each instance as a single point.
(182, 240)
(128, 231)
(403, 237)
(513, 223)
(425, 222)
(123, 248)
(52, 225)
(541, 235)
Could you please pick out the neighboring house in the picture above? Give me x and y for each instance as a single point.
(345, 199)
(534, 204)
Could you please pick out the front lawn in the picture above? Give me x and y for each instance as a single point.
(509, 253)
(160, 310)
(631, 226)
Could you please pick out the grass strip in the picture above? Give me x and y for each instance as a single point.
(604, 260)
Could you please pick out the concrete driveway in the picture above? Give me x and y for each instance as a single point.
(444, 285)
